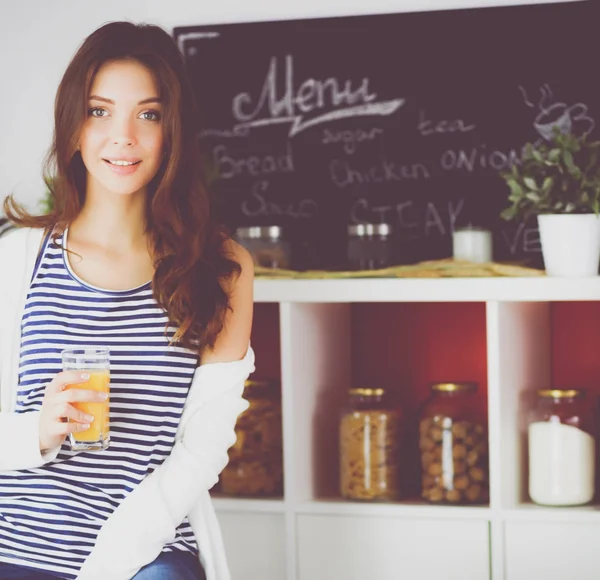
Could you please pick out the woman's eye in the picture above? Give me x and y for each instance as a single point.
(151, 116)
(96, 112)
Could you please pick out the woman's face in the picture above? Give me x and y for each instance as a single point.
(121, 141)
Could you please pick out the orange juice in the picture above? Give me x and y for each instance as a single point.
(99, 428)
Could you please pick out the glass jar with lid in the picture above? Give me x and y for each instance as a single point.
(562, 448)
(369, 447)
(369, 246)
(267, 246)
(453, 446)
(255, 465)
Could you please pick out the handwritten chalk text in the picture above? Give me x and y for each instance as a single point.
(343, 174)
(254, 165)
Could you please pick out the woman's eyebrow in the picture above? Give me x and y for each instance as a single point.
(110, 101)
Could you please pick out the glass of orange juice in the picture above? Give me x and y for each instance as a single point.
(95, 361)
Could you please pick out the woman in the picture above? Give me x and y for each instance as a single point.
(129, 258)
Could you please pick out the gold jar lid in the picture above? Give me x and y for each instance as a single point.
(560, 393)
(367, 392)
(261, 385)
(453, 387)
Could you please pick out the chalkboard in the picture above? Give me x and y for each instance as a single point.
(407, 118)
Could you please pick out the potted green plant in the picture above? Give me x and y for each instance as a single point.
(559, 182)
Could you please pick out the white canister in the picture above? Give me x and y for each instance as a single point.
(562, 449)
(472, 244)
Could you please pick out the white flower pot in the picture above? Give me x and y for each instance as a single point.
(570, 244)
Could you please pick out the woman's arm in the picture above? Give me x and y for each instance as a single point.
(19, 432)
(138, 529)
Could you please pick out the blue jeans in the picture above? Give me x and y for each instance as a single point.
(176, 565)
(12, 572)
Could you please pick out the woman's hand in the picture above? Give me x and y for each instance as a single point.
(57, 408)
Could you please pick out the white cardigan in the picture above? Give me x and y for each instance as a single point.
(135, 533)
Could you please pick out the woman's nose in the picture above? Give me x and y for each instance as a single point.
(123, 133)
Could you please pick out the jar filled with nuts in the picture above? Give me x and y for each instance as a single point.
(255, 465)
(453, 446)
(369, 447)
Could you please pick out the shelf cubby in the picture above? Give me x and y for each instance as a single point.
(570, 336)
(401, 347)
(265, 341)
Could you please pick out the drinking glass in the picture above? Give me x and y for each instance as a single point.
(96, 362)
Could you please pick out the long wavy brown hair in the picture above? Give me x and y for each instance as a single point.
(188, 246)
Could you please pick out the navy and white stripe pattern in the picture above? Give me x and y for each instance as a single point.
(50, 516)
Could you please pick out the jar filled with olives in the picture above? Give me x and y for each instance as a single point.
(369, 447)
(255, 465)
(453, 446)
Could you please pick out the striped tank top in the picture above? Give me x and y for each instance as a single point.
(50, 516)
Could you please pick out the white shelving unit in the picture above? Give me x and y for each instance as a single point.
(312, 535)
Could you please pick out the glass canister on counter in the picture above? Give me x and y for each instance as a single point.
(369, 246)
(562, 448)
(369, 447)
(454, 447)
(255, 465)
(267, 245)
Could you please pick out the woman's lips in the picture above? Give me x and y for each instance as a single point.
(122, 169)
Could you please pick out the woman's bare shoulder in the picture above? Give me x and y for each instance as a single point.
(241, 255)
(232, 343)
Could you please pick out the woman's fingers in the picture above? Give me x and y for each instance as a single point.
(66, 412)
(63, 379)
(64, 428)
(59, 417)
(76, 395)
